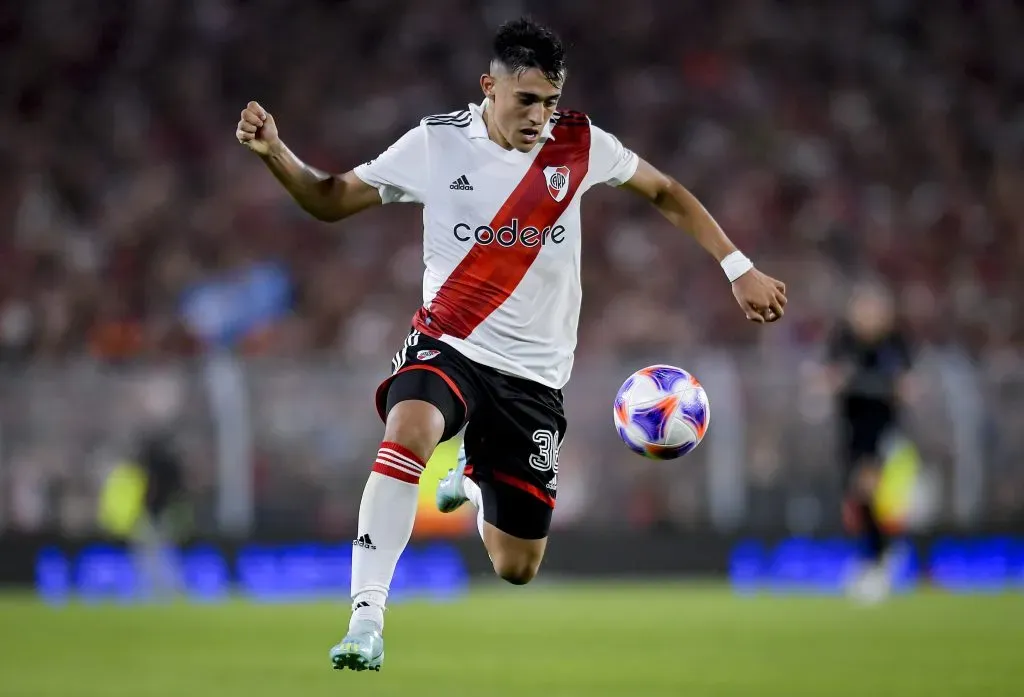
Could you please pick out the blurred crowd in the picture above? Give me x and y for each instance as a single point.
(831, 140)
(834, 141)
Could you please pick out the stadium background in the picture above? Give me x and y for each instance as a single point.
(154, 273)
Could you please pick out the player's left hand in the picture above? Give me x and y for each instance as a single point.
(762, 297)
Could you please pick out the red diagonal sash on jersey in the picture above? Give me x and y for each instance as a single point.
(488, 274)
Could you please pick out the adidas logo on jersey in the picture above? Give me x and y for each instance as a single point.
(461, 184)
(364, 541)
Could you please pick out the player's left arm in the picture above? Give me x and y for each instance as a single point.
(762, 297)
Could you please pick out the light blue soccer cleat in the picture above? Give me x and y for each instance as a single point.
(449, 490)
(361, 649)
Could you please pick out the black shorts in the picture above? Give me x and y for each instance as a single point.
(864, 422)
(513, 428)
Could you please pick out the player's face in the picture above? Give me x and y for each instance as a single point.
(521, 106)
(871, 312)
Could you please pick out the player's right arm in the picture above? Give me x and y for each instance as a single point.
(325, 196)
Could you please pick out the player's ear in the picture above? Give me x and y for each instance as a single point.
(487, 84)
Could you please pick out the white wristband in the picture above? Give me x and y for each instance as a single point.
(735, 265)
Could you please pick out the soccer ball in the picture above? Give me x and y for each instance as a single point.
(661, 412)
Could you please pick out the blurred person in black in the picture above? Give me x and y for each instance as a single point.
(159, 524)
(164, 499)
(161, 462)
(868, 362)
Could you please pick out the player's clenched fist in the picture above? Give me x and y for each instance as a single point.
(257, 130)
(761, 297)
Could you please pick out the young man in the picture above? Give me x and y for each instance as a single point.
(492, 345)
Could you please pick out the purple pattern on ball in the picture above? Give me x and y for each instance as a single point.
(625, 388)
(666, 377)
(694, 411)
(651, 421)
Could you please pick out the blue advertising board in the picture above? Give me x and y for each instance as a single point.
(975, 565)
(441, 570)
(268, 573)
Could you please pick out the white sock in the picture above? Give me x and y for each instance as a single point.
(472, 492)
(386, 516)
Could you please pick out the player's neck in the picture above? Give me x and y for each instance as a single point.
(493, 133)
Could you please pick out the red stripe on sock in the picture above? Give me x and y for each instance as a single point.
(387, 470)
(390, 466)
(402, 450)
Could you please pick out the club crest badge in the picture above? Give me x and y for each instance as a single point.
(558, 181)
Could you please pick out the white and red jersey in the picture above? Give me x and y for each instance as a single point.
(501, 233)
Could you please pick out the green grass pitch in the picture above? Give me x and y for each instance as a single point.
(643, 640)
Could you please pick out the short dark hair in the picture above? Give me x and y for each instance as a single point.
(522, 44)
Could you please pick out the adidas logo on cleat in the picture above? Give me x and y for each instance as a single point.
(364, 541)
(461, 184)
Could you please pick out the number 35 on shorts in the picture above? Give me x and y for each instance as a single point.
(546, 457)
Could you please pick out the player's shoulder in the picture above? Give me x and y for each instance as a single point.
(453, 119)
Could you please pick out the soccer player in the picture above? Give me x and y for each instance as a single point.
(869, 360)
(492, 346)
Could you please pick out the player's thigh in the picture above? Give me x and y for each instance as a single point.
(512, 445)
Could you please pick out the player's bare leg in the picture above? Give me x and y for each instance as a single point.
(386, 516)
(515, 559)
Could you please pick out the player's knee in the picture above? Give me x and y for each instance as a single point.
(416, 425)
(517, 569)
